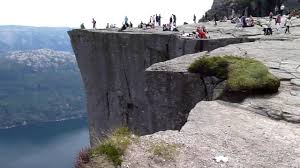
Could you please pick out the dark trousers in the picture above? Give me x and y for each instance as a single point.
(287, 30)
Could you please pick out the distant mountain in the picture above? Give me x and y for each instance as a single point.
(14, 38)
(38, 86)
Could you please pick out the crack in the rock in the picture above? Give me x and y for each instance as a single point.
(107, 105)
(205, 88)
(127, 86)
(183, 47)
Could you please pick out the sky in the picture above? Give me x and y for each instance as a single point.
(71, 13)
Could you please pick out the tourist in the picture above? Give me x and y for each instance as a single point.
(288, 24)
(238, 23)
(126, 21)
(140, 25)
(268, 28)
(130, 25)
(82, 26)
(216, 19)
(174, 19)
(251, 21)
(201, 34)
(194, 19)
(243, 20)
(94, 23)
(171, 19)
(271, 15)
(278, 22)
(167, 27)
(107, 25)
(153, 20)
(159, 20)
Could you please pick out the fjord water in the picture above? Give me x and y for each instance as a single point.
(44, 145)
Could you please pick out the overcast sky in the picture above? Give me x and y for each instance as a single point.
(71, 13)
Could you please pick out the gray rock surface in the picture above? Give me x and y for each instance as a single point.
(112, 66)
(120, 92)
(218, 129)
(282, 57)
(172, 91)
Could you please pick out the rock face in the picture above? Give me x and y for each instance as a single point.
(140, 79)
(255, 7)
(112, 66)
(172, 91)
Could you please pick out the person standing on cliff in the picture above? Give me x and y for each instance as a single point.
(271, 15)
(94, 23)
(194, 19)
(174, 20)
(215, 18)
(278, 22)
(171, 19)
(159, 20)
(126, 21)
(288, 24)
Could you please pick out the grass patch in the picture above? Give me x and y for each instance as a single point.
(242, 74)
(163, 150)
(114, 146)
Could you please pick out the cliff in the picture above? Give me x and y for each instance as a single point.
(112, 66)
(254, 7)
(139, 79)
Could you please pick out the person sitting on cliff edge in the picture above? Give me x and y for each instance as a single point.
(82, 26)
(201, 33)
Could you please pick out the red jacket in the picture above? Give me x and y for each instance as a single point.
(202, 35)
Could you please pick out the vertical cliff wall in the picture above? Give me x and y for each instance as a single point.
(112, 65)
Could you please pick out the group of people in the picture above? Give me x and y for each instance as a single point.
(280, 22)
(155, 20)
(243, 21)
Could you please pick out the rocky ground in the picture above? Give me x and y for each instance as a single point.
(258, 132)
(261, 131)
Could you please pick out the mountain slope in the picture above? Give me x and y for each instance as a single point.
(39, 85)
(14, 38)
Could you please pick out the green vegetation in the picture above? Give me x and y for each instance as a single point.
(114, 146)
(163, 150)
(242, 74)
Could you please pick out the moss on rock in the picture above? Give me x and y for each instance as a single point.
(242, 74)
(114, 146)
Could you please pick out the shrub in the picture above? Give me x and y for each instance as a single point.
(242, 74)
(114, 146)
(163, 150)
(82, 158)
